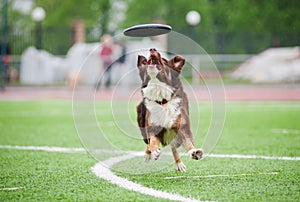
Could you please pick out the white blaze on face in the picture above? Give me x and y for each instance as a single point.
(156, 90)
(152, 71)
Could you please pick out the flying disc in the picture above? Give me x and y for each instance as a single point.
(145, 30)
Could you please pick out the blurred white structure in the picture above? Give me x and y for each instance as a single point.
(82, 62)
(83, 59)
(40, 67)
(271, 66)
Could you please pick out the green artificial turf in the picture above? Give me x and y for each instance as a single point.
(269, 129)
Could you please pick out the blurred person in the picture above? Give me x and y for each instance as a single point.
(122, 57)
(119, 69)
(106, 55)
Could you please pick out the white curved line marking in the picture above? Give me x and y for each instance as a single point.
(101, 171)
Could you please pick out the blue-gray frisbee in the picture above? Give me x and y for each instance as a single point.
(147, 30)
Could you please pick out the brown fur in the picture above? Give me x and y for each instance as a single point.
(169, 72)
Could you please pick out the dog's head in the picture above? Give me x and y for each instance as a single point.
(166, 71)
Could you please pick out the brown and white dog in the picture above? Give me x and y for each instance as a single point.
(163, 115)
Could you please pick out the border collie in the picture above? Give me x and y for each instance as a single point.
(163, 114)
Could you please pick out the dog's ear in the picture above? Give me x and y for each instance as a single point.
(165, 61)
(177, 63)
(141, 61)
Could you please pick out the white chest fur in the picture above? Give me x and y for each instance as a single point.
(161, 114)
(157, 90)
(164, 115)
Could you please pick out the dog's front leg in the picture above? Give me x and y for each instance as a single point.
(147, 156)
(153, 135)
(154, 148)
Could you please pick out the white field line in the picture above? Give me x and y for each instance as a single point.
(82, 150)
(60, 149)
(45, 148)
(285, 131)
(239, 156)
(103, 172)
(10, 188)
(221, 175)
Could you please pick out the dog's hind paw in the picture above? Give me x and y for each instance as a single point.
(147, 157)
(196, 153)
(156, 154)
(180, 167)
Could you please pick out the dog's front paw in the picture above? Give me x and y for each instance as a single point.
(147, 157)
(155, 154)
(180, 167)
(196, 153)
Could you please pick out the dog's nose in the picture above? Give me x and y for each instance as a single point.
(152, 50)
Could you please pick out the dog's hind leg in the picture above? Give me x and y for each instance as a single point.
(179, 164)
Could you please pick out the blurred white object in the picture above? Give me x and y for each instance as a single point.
(83, 59)
(38, 14)
(274, 65)
(40, 67)
(193, 18)
(82, 64)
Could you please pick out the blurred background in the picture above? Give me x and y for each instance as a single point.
(45, 37)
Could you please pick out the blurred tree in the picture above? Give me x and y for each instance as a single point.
(251, 26)
(171, 12)
(230, 15)
(57, 23)
(224, 24)
(256, 15)
(62, 13)
(232, 25)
